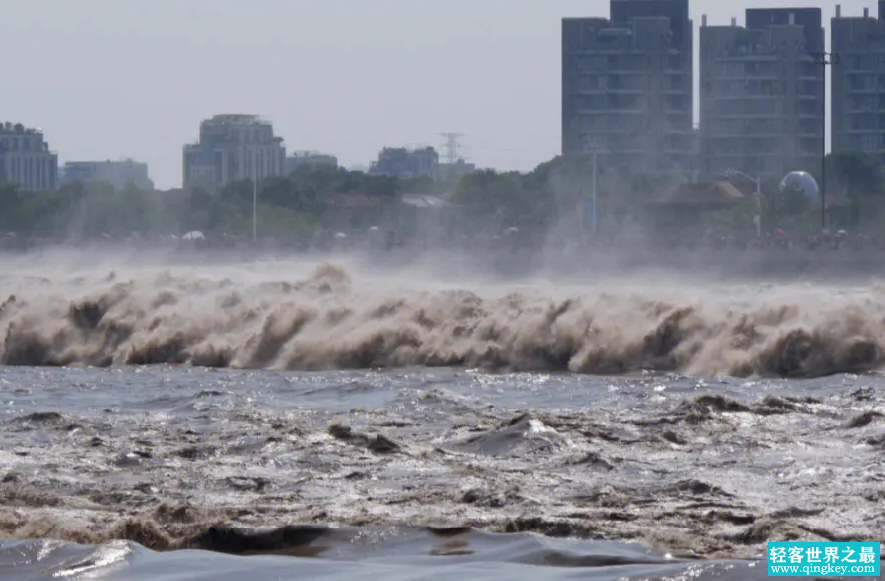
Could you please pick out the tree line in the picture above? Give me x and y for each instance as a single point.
(288, 206)
(552, 197)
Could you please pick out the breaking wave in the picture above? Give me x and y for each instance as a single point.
(329, 320)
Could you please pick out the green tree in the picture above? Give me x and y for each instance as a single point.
(857, 174)
(10, 208)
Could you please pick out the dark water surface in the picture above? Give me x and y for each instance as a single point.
(184, 473)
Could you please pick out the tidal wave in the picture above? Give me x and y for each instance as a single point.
(332, 320)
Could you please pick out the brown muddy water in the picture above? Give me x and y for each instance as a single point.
(284, 421)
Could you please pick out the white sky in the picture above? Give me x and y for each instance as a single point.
(108, 79)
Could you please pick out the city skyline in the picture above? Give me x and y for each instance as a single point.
(135, 82)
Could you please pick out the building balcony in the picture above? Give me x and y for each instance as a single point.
(611, 111)
(605, 50)
(745, 97)
(755, 116)
(738, 135)
(864, 131)
(607, 72)
(643, 70)
(745, 78)
(741, 156)
(625, 91)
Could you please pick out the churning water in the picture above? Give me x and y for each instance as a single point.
(285, 420)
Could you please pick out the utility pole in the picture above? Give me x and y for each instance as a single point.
(254, 193)
(595, 150)
(595, 186)
(824, 59)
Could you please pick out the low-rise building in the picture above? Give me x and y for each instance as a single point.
(118, 174)
(401, 162)
(450, 172)
(680, 209)
(311, 159)
(25, 159)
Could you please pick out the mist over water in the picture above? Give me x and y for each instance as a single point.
(346, 312)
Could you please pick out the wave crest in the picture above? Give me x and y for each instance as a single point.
(330, 321)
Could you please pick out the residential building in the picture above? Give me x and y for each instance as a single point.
(118, 174)
(301, 159)
(401, 162)
(761, 93)
(233, 147)
(25, 158)
(858, 86)
(627, 86)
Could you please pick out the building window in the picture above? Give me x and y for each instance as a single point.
(676, 102)
(591, 83)
(594, 102)
(676, 62)
(863, 83)
(863, 62)
(862, 103)
(764, 107)
(590, 142)
(867, 142)
(810, 127)
(589, 64)
(594, 123)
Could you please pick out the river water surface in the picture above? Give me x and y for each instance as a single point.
(298, 423)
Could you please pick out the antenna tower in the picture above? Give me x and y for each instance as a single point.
(452, 145)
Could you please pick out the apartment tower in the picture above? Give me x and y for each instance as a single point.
(858, 87)
(762, 93)
(627, 86)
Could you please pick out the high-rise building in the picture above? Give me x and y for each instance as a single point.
(627, 86)
(118, 174)
(233, 147)
(25, 159)
(761, 93)
(858, 113)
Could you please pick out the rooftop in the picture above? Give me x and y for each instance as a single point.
(423, 201)
(717, 194)
(19, 129)
(127, 161)
(235, 119)
(307, 153)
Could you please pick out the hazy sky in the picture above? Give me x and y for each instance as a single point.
(108, 79)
